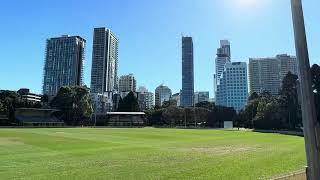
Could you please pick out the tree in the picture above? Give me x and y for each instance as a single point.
(315, 74)
(173, 115)
(289, 101)
(75, 104)
(171, 102)
(155, 117)
(268, 116)
(2, 109)
(45, 98)
(206, 105)
(129, 104)
(250, 112)
(253, 96)
(10, 101)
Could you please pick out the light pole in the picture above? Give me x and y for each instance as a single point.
(311, 126)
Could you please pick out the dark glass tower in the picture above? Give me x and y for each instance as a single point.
(187, 72)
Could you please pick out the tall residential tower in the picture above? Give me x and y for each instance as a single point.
(223, 57)
(127, 83)
(187, 72)
(266, 74)
(104, 72)
(63, 63)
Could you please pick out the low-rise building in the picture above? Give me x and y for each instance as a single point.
(102, 103)
(27, 96)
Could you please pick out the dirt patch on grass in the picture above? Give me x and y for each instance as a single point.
(222, 150)
(10, 141)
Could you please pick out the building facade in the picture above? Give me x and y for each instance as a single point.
(162, 93)
(201, 96)
(63, 63)
(102, 103)
(26, 95)
(187, 72)
(232, 91)
(266, 74)
(223, 57)
(145, 98)
(176, 97)
(127, 83)
(104, 72)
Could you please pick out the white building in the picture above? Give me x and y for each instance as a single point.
(266, 74)
(102, 103)
(162, 93)
(223, 57)
(232, 90)
(145, 98)
(127, 83)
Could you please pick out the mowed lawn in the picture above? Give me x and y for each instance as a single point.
(147, 153)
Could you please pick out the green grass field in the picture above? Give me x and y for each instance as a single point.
(146, 154)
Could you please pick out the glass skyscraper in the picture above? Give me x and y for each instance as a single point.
(63, 63)
(187, 90)
(104, 72)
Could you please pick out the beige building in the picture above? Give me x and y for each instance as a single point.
(266, 74)
(127, 83)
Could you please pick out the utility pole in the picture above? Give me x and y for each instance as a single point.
(311, 126)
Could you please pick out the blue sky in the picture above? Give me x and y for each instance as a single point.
(150, 35)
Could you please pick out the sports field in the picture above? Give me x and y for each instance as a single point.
(146, 153)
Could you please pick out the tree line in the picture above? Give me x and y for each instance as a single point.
(263, 111)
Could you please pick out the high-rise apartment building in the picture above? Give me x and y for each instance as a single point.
(201, 96)
(223, 57)
(187, 72)
(145, 98)
(162, 93)
(127, 83)
(287, 63)
(63, 63)
(104, 72)
(176, 97)
(266, 74)
(232, 91)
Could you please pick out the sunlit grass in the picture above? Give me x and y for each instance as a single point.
(146, 154)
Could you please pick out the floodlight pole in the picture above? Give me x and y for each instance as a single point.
(311, 126)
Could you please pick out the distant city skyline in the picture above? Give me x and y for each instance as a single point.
(149, 50)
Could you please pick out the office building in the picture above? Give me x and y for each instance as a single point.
(63, 63)
(127, 83)
(104, 72)
(187, 73)
(201, 96)
(266, 74)
(232, 91)
(162, 93)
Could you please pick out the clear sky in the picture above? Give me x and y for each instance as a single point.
(150, 35)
